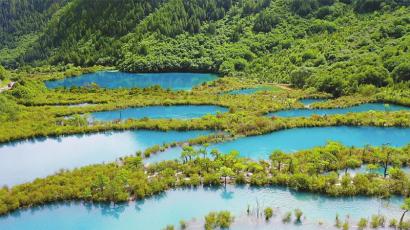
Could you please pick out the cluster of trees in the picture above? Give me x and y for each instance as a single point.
(245, 117)
(4, 74)
(216, 220)
(314, 170)
(334, 47)
(21, 21)
(9, 110)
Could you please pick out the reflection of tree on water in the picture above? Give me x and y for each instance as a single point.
(113, 210)
(227, 195)
(158, 197)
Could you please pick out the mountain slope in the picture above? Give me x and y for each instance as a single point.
(21, 21)
(337, 46)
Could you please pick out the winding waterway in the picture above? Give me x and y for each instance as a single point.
(24, 161)
(185, 204)
(291, 140)
(159, 112)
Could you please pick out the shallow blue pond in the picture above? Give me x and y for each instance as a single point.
(291, 140)
(185, 204)
(24, 161)
(323, 112)
(159, 112)
(115, 79)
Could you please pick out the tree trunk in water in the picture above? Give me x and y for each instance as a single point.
(385, 169)
(402, 217)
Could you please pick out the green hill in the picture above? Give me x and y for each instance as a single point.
(336, 46)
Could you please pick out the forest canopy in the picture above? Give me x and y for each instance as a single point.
(335, 46)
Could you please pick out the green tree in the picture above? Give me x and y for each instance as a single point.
(406, 208)
(225, 173)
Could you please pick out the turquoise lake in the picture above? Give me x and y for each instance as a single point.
(184, 204)
(353, 109)
(159, 112)
(26, 160)
(291, 140)
(115, 80)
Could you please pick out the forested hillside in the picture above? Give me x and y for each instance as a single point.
(336, 46)
(21, 21)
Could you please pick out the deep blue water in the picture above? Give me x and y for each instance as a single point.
(291, 140)
(115, 79)
(159, 112)
(24, 161)
(184, 204)
(323, 112)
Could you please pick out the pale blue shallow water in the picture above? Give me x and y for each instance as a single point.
(363, 169)
(291, 140)
(184, 204)
(115, 79)
(353, 109)
(26, 160)
(159, 112)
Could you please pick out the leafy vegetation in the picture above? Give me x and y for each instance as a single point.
(355, 51)
(314, 170)
(335, 46)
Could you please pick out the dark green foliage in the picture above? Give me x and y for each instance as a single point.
(402, 72)
(254, 6)
(303, 7)
(87, 32)
(21, 17)
(262, 39)
(365, 6)
(265, 22)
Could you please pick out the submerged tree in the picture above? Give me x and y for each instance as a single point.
(406, 208)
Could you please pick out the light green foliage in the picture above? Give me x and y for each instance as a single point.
(169, 227)
(222, 219)
(3, 74)
(268, 213)
(298, 215)
(362, 224)
(346, 225)
(182, 224)
(287, 217)
(377, 221)
(9, 110)
(393, 223)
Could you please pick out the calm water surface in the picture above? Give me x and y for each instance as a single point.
(323, 112)
(291, 140)
(159, 112)
(115, 79)
(24, 161)
(185, 204)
